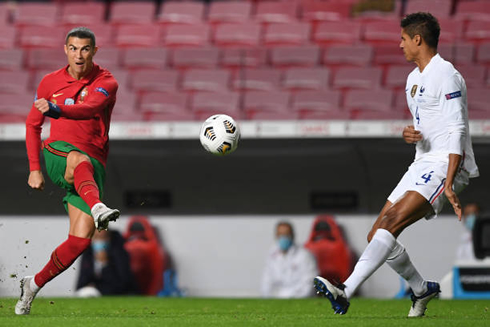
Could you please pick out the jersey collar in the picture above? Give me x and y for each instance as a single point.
(85, 79)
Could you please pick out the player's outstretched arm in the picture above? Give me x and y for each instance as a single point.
(411, 135)
(36, 180)
(454, 161)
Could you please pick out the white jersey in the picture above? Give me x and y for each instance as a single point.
(437, 100)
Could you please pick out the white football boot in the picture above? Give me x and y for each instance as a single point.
(419, 304)
(103, 215)
(335, 294)
(23, 306)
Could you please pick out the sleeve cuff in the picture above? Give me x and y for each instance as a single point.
(53, 112)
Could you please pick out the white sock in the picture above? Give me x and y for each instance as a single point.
(33, 286)
(400, 262)
(371, 259)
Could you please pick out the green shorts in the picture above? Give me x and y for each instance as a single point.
(55, 154)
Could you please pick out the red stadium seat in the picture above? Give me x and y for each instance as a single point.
(137, 36)
(319, 105)
(483, 54)
(11, 59)
(252, 57)
(396, 76)
(306, 79)
(389, 55)
(108, 57)
(104, 34)
(38, 76)
(36, 14)
(276, 12)
(195, 58)
(473, 10)
(50, 59)
(451, 30)
(478, 31)
(369, 100)
(122, 77)
(438, 8)
(143, 81)
(4, 14)
(343, 32)
(146, 58)
(82, 14)
(125, 109)
(474, 75)
(176, 12)
(186, 35)
(14, 82)
(400, 104)
(42, 37)
(206, 80)
(7, 37)
(301, 56)
(478, 100)
(268, 105)
(229, 11)
(14, 108)
(237, 35)
(382, 33)
(464, 53)
(358, 78)
(318, 10)
(357, 55)
(166, 107)
(131, 13)
(294, 33)
(210, 103)
(254, 79)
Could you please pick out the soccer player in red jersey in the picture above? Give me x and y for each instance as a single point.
(79, 99)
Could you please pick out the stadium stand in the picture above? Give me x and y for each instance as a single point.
(108, 57)
(243, 58)
(7, 37)
(358, 78)
(41, 36)
(439, 8)
(205, 57)
(478, 10)
(276, 12)
(206, 80)
(299, 56)
(348, 55)
(181, 12)
(237, 35)
(142, 35)
(11, 59)
(132, 13)
(14, 82)
(83, 14)
(268, 105)
(317, 11)
(253, 79)
(209, 103)
(294, 33)
(165, 106)
(186, 35)
(36, 14)
(144, 81)
(343, 32)
(319, 105)
(144, 58)
(315, 79)
(229, 12)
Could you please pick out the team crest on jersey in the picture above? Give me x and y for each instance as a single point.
(414, 90)
(69, 101)
(83, 94)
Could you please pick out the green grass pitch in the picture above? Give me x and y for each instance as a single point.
(146, 311)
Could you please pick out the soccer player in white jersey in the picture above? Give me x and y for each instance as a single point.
(444, 162)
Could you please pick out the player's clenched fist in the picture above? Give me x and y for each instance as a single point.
(411, 135)
(42, 105)
(36, 180)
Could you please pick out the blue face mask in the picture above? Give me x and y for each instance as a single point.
(98, 246)
(284, 242)
(469, 222)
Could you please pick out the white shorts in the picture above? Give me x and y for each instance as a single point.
(427, 178)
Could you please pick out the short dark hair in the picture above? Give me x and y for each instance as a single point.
(423, 24)
(286, 223)
(81, 33)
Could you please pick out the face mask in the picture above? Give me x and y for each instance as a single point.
(284, 242)
(98, 246)
(469, 222)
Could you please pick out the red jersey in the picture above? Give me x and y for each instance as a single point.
(86, 107)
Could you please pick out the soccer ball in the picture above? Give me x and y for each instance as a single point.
(220, 135)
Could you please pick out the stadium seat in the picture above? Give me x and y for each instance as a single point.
(82, 14)
(478, 100)
(400, 104)
(306, 79)
(206, 80)
(165, 107)
(36, 14)
(318, 105)
(253, 79)
(357, 78)
(483, 54)
(473, 10)
(438, 8)
(478, 31)
(318, 10)
(276, 12)
(396, 76)
(205, 57)
(7, 37)
(50, 59)
(237, 35)
(357, 101)
(14, 82)
(390, 54)
(229, 11)
(122, 77)
(104, 34)
(252, 57)
(42, 37)
(38, 76)
(143, 81)
(186, 35)
(474, 75)
(11, 59)
(125, 109)
(4, 14)
(145, 58)
(108, 57)
(267, 105)
(385, 32)
(458, 53)
(137, 35)
(132, 13)
(300, 56)
(14, 108)
(451, 30)
(294, 33)
(357, 55)
(343, 32)
(177, 12)
(210, 103)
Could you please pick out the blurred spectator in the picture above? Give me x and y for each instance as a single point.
(290, 269)
(332, 253)
(105, 269)
(465, 249)
(148, 259)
